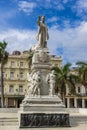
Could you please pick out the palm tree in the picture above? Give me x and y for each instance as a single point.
(3, 60)
(82, 71)
(64, 79)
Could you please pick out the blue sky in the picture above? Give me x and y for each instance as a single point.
(66, 21)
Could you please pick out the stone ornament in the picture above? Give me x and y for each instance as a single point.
(43, 56)
(40, 56)
(51, 81)
(34, 84)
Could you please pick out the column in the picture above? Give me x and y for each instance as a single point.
(68, 102)
(14, 103)
(83, 103)
(6, 102)
(75, 102)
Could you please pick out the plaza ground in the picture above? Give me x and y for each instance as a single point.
(9, 121)
(80, 127)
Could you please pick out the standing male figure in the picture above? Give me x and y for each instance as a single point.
(42, 36)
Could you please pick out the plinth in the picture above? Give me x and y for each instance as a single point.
(43, 111)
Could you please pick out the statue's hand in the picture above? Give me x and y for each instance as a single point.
(38, 20)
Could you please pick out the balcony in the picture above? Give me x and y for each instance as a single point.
(81, 94)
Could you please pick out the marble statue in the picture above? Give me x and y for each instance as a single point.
(35, 58)
(42, 36)
(34, 84)
(30, 84)
(51, 81)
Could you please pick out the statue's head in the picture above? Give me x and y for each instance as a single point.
(43, 18)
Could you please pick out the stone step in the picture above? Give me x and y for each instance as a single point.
(8, 121)
(74, 120)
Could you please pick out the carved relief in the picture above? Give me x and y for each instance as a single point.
(51, 81)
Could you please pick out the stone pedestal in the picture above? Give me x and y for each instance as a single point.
(43, 111)
(42, 108)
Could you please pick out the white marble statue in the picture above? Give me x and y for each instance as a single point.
(35, 58)
(30, 84)
(42, 36)
(36, 83)
(51, 81)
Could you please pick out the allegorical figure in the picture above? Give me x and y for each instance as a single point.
(51, 78)
(37, 83)
(30, 84)
(42, 36)
(34, 84)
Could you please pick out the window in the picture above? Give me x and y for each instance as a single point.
(11, 75)
(20, 88)
(78, 89)
(10, 102)
(21, 75)
(11, 89)
(12, 63)
(21, 64)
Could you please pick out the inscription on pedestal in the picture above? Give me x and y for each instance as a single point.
(44, 120)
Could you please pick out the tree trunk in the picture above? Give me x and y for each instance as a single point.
(2, 87)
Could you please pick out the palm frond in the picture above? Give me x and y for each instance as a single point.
(57, 69)
(80, 63)
(66, 67)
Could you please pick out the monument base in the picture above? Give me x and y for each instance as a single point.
(43, 111)
(31, 120)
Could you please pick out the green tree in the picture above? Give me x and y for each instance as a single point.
(64, 79)
(3, 60)
(82, 72)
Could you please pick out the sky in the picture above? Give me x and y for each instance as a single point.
(66, 21)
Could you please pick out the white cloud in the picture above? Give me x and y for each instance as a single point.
(65, 1)
(82, 4)
(81, 7)
(72, 41)
(52, 19)
(60, 6)
(27, 7)
(18, 39)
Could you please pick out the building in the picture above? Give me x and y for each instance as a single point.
(79, 100)
(15, 77)
(16, 84)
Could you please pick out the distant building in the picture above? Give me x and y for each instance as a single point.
(79, 100)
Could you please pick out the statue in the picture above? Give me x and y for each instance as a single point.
(35, 58)
(30, 84)
(37, 83)
(34, 84)
(51, 81)
(42, 36)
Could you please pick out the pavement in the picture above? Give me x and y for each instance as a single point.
(80, 127)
